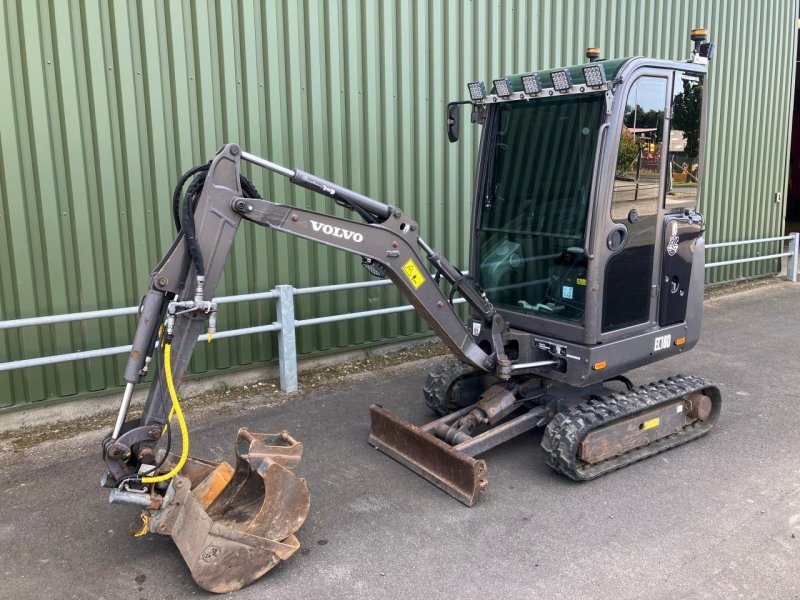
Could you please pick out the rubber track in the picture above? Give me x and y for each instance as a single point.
(568, 428)
(438, 384)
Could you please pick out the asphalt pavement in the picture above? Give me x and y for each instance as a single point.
(717, 518)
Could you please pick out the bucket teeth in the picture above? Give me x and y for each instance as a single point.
(233, 525)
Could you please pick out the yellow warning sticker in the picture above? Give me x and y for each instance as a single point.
(649, 424)
(580, 281)
(413, 273)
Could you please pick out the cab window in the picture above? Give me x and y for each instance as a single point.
(683, 185)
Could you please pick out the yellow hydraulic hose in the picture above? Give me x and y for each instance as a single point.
(176, 407)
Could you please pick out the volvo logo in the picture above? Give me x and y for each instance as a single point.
(336, 231)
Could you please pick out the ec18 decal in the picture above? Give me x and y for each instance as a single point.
(662, 342)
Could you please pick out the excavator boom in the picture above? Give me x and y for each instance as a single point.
(225, 554)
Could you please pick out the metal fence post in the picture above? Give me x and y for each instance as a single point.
(287, 346)
(791, 264)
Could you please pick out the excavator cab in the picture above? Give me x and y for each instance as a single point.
(581, 237)
(586, 261)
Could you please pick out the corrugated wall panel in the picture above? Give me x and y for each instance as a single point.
(104, 104)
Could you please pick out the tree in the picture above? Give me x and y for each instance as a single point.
(686, 108)
(628, 151)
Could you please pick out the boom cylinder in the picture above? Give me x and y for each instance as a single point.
(328, 188)
(323, 186)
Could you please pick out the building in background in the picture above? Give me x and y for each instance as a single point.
(793, 196)
(104, 104)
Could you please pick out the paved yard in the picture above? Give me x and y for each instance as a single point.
(717, 518)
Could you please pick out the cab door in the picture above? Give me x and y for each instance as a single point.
(683, 227)
(629, 283)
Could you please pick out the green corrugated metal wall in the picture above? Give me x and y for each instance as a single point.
(103, 104)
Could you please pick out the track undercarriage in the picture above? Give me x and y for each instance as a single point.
(589, 432)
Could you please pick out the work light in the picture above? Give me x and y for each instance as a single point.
(562, 81)
(532, 83)
(595, 75)
(477, 90)
(503, 87)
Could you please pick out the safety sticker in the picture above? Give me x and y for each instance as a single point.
(580, 281)
(649, 424)
(566, 292)
(413, 273)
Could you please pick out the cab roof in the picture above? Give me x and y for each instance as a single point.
(611, 67)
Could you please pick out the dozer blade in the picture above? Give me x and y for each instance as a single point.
(232, 526)
(449, 469)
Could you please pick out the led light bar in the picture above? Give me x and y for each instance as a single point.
(503, 87)
(595, 75)
(477, 90)
(532, 84)
(562, 81)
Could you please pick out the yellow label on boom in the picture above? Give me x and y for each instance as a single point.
(413, 273)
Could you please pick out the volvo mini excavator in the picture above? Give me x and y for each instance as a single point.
(586, 261)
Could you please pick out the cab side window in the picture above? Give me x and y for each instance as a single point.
(683, 185)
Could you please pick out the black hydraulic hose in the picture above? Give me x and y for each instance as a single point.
(176, 194)
(189, 204)
(190, 201)
(362, 213)
(248, 188)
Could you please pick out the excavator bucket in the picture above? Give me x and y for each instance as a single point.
(233, 525)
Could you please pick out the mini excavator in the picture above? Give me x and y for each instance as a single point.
(586, 261)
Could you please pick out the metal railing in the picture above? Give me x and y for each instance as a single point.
(791, 265)
(286, 324)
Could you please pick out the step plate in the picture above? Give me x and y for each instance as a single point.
(452, 471)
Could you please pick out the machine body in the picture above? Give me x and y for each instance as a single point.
(586, 261)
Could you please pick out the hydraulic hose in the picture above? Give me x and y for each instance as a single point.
(176, 407)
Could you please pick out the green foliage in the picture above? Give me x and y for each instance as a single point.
(628, 151)
(686, 108)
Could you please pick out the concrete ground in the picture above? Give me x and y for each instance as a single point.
(717, 518)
